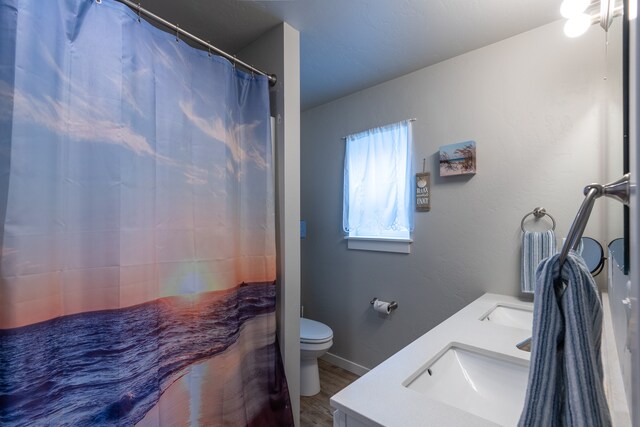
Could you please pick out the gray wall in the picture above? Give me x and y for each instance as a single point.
(278, 51)
(540, 111)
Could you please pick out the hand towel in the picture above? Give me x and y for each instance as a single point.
(536, 246)
(565, 376)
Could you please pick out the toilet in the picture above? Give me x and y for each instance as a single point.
(315, 340)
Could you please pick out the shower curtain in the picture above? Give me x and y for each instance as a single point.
(137, 224)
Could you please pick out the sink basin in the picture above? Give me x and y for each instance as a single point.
(489, 385)
(510, 315)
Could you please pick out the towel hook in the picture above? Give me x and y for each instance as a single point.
(619, 190)
(538, 213)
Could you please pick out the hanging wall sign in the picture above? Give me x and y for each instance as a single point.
(423, 194)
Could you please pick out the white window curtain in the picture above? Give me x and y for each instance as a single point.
(377, 183)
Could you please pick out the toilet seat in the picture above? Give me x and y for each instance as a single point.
(312, 332)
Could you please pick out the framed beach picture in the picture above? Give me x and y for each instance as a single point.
(458, 159)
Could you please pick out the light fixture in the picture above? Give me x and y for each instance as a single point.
(571, 8)
(633, 10)
(577, 25)
(582, 14)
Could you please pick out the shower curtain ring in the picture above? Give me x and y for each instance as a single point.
(138, 11)
(177, 33)
(209, 48)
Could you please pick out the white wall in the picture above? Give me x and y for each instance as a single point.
(278, 51)
(537, 106)
(612, 128)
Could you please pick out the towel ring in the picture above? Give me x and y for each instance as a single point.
(538, 213)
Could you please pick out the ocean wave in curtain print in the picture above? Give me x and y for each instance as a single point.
(138, 243)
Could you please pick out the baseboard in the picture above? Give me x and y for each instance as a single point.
(345, 364)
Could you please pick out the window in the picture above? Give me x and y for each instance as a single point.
(377, 205)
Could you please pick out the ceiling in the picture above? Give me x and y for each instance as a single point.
(349, 45)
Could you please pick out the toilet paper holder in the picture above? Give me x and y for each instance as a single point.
(392, 305)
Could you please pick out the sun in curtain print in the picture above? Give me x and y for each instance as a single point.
(138, 243)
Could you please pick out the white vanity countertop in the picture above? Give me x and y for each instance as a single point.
(380, 398)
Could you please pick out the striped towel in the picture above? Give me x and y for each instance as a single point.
(536, 246)
(565, 377)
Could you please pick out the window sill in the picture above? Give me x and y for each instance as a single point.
(379, 244)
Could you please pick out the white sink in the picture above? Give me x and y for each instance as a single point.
(510, 315)
(489, 385)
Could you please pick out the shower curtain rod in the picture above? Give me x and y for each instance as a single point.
(142, 11)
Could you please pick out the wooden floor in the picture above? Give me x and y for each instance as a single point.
(315, 410)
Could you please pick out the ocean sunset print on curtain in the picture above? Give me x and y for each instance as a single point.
(138, 233)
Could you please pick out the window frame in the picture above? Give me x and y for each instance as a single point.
(393, 241)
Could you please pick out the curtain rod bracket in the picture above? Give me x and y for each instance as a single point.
(619, 190)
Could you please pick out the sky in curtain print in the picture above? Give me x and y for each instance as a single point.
(136, 167)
